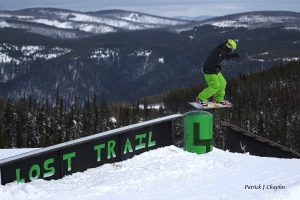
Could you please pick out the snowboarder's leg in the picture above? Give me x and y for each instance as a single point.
(219, 97)
(213, 86)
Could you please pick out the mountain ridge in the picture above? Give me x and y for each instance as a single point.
(85, 23)
(198, 18)
(68, 24)
(251, 20)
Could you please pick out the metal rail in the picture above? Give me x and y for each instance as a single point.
(224, 124)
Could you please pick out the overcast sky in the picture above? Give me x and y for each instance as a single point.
(167, 8)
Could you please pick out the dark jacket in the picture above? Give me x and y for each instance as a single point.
(212, 64)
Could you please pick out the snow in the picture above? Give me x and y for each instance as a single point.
(4, 24)
(113, 120)
(102, 20)
(292, 28)
(4, 58)
(228, 23)
(266, 53)
(170, 173)
(152, 106)
(287, 59)
(104, 53)
(6, 153)
(161, 60)
(142, 53)
(132, 17)
(249, 21)
(259, 60)
(83, 27)
(56, 23)
(30, 50)
(88, 23)
(261, 18)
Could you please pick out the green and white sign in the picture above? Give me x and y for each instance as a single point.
(108, 147)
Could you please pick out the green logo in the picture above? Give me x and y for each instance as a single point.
(35, 171)
(68, 157)
(198, 141)
(47, 169)
(110, 150)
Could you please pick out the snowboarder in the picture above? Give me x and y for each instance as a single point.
(212, 73)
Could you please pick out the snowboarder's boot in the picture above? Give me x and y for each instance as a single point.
(202, 103)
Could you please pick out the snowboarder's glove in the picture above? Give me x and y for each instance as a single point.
(235, 55)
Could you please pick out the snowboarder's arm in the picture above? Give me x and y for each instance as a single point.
(232, 55)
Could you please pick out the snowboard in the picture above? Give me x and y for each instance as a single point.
(211, 105)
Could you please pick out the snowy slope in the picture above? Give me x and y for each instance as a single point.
(199, 18)
(252, 20)
(171, 173)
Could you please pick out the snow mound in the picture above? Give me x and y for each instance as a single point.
(172, 173)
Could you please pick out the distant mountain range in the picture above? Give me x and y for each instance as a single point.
(199, 18)
(67, 24)
(259, 19)
(127, 55)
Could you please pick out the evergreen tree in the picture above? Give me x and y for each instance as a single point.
(75, 121)
(8, 125)
(146, 110)
(41, 127)
(21, 122)
(58, 121)
(87, 119)
(95, 118)
(2, 128)
(104, 115)
(62, 121)
(32, 135)
(47, 141)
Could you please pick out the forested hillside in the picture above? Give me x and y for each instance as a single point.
(28, 123)
(266, 103)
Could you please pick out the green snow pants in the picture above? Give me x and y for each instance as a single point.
(216, 86)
